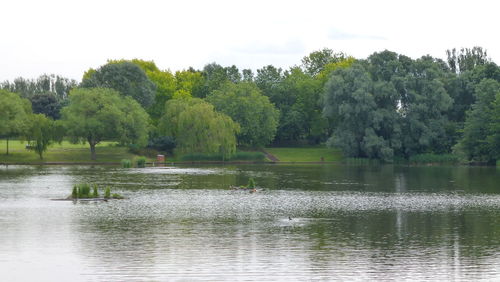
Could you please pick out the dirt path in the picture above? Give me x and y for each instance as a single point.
(270, 156)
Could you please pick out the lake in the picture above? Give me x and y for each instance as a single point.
(306, 222)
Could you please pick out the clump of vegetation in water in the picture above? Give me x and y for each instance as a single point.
(116, 196)
(82, 191)
(107, 193)
(140, 162)
(251, 183)
(95, 194)
(126, 163)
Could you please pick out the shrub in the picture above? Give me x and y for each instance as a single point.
(74, 194)
(126, 163)
(251, 183)
(107, 193)
(434, 158)
(140, 162)
(95, 194)
(162, 143)
(360, 161)
(83, 191)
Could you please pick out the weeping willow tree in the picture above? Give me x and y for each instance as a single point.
(198, 128)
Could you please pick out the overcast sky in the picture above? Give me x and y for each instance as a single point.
(67, 37)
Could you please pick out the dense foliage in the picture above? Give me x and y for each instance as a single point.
(97, 114)
(198, 128)
(387, 106)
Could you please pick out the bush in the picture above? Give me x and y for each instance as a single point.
(107, 193)
(434, 158)
(126, 163)
(162, 143)
(74, 194)
(360, 161)
(95, 194)
(251, 183)
(83, 190)
(140, 162)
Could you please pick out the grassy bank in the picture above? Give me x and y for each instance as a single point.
(65, 152)
(305, 154)
(108, 152)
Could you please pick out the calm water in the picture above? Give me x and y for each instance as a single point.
(182, 223)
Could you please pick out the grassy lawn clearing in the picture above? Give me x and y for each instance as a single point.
(64, 152)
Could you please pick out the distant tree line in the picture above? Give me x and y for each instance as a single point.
(384, 107)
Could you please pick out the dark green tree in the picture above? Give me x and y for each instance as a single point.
(481, 126)
(46, 103)
(125, 77)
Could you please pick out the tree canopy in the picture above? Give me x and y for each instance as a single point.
(246, 105)
(125, 77)
(14, 115)
(198, 128)
(97, 114)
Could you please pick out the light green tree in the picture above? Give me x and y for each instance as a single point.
(246, 105)
(41, 133)
(97, 114)
(198, 128)
(14, 115)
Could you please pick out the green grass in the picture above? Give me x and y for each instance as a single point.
(239, 156)
(306, 154)
(64, 152)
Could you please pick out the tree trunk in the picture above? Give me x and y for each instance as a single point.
(7, 146)
(92, 151)
(92, 144)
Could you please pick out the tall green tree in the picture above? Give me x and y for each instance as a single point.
(198, 128)
(366, 123)
(480, 130)
(41, 133)
(125, 77)
(424, 106)
(97, 114)
(246, 105)
(14, 115)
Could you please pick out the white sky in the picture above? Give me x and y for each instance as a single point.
(67, 37)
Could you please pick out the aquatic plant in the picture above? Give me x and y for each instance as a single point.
(95, 194)
(251, 183)
(74, 193)
(116, 196)
(107, 193)
(83, 190)
(126, 163)
(140, 162)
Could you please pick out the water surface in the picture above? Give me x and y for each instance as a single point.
(183, 223)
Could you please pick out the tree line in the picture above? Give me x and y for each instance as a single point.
(386, 106)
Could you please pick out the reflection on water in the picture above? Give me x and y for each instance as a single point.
(306, 222)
